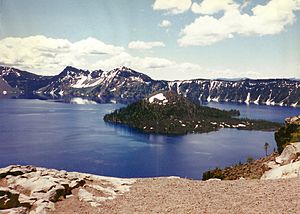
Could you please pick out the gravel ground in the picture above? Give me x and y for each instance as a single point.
(166, 195)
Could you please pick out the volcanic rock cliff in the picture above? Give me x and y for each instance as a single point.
(124, 85)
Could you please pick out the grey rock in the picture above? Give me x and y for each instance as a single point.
(290, 154)
(291, 170)
(287, 165)
(77, 183)
(56, 193)
(42, 206)
(47, 186)
(26, 201)
(16, 170)
(293, 119)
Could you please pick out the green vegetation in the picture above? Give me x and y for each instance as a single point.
(251, 169)
(216, 173)
(180, 116)
(290, 133)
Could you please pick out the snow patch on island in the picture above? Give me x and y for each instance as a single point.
(159, 97)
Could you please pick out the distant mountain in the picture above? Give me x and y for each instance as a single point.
(124, 85)
(283, 92)
(170, 113)
(24, 83)
(121, 85)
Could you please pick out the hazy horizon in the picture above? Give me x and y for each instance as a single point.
(217, 78)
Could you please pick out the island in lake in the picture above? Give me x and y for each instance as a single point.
(170, 113)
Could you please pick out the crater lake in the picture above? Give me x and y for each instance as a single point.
(75, 138)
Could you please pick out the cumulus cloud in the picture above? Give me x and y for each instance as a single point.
(172, 6)
(94, 46)
(268, 19)
(165, 23)
(138, 45)
(47, 54)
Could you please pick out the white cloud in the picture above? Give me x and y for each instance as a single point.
(94, 46)
(48, 56)
(165, 23)
(172, 6)
(268, 19)
(44, 54)
(138, 45)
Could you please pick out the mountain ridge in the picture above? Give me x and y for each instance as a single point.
(125, 85)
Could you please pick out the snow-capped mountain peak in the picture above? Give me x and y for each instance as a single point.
(125, 85)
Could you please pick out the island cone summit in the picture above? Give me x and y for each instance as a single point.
(170, 113)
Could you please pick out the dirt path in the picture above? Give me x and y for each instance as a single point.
(164, 195)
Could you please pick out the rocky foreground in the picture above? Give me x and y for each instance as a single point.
(28, 189)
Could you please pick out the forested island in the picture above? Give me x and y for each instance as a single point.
(170, 113)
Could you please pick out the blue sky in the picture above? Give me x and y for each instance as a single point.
(198, 39)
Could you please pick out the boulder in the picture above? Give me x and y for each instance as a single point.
(40, 188)
(293, 119)
(16, 170)
(8, 198)
(26, 201)
(291, 170)
(4, 172)
(42, 206)
(77, 183)
(56, 193)
(291, 153)
(287, 165)
(34, 184)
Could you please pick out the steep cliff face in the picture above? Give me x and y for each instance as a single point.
(281, 92)
(124, 85)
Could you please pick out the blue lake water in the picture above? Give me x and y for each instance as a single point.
(75, 138)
